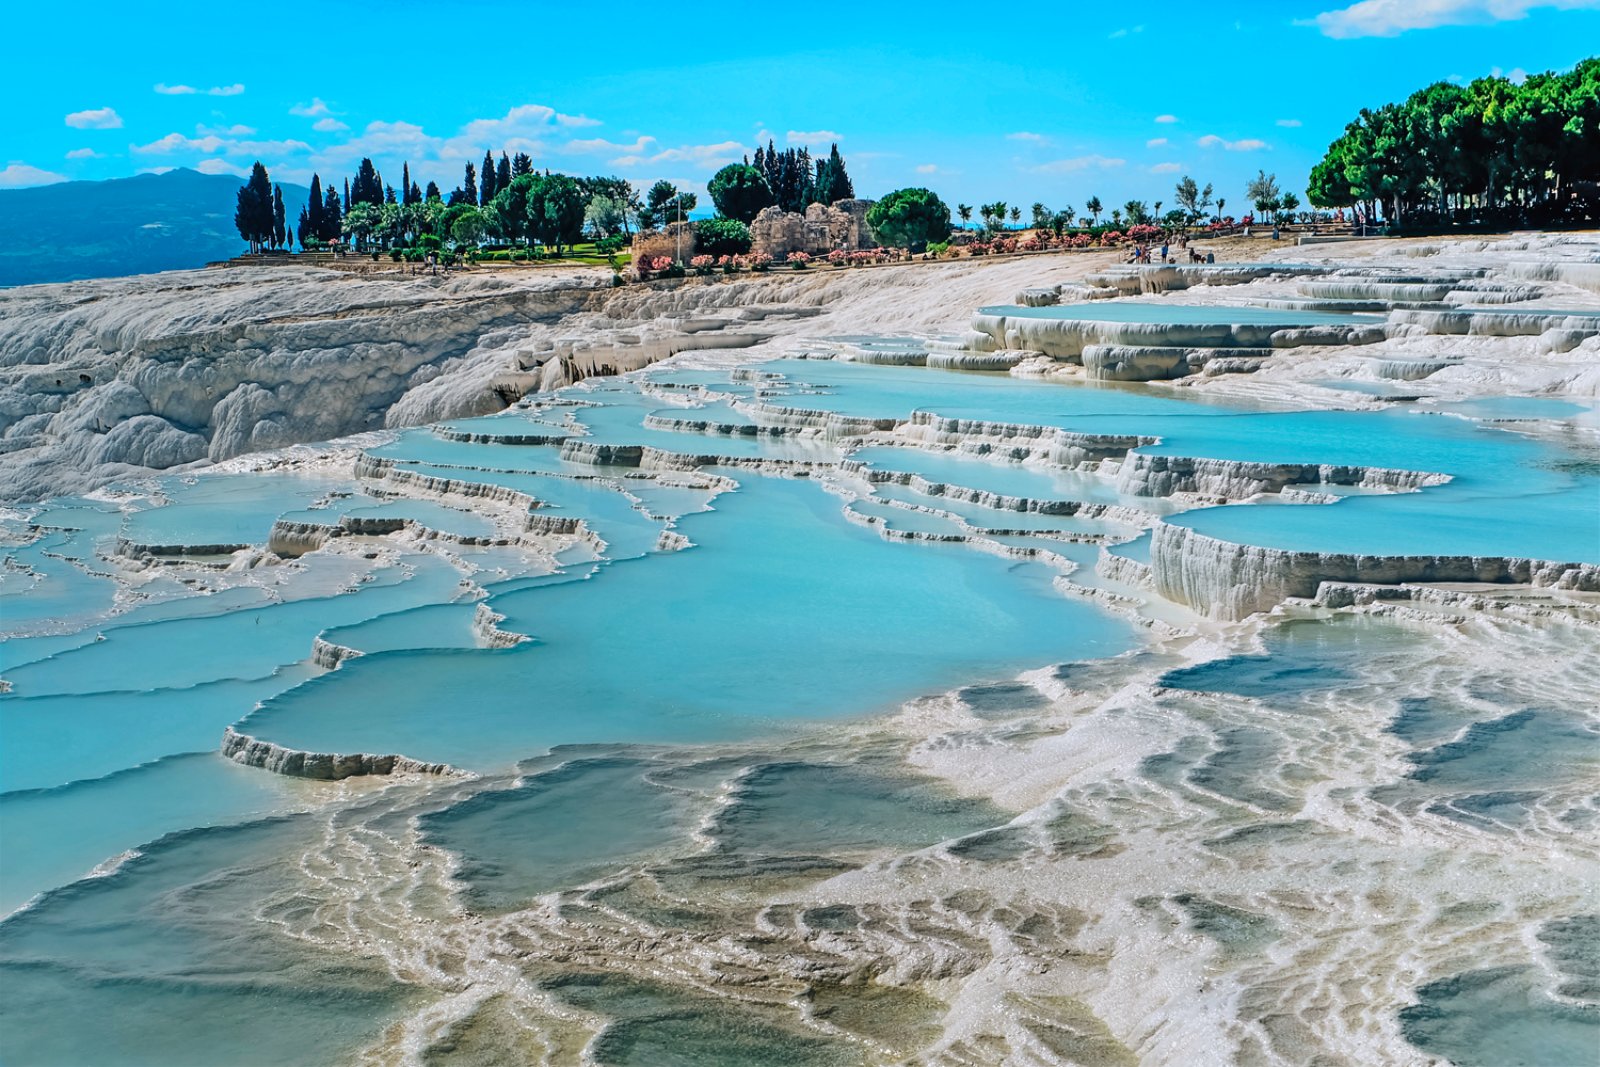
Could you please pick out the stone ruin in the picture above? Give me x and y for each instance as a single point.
(821, 230)
(665, 242)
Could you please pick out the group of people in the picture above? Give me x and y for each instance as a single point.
(1145, 255)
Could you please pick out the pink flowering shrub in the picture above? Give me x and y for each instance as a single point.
(758, 260)
(839, 257)
(798, 260)
(1111, 237)
(1143, 233)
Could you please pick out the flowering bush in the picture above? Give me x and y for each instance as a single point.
(1004, 244)
(839, 257)
(1080, 240)
(978, 248)
(1111, 237)
(798, 260)
(1144, 233)
(759, 260)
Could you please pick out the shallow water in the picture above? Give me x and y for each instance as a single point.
(725, 642)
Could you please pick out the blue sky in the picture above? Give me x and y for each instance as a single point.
(1052, 102)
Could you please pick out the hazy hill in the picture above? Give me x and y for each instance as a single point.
(151, 222)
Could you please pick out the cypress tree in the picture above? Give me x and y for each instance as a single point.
(470, 182)
(405, 181)
(486, 191)
(279, 231)
(522, 164)
(502, 174)
(388, 194)
(311, 214)
(332, 217)
(833, 181)
(368, 187)
(432, 192)
(347, 201)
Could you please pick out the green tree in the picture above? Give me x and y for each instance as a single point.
(311, 215)
(1015, 215)
(965, 211)
(368, 186)
(1041, 216)
(1192, 200)
(253, 208)
(555, 209)
(465, 226)
(1094, 208)
(1137, 212)
(722, 237)
(833, 181)
(360, 223)
(739, 191)
(664, 205)
(332, 217)
(910, 218)
(508, 211)
(280, 232)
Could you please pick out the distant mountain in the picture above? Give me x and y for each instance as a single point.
(171, 221)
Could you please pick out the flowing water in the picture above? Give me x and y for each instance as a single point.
(758, 755)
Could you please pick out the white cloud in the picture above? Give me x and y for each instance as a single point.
(16, 175)
(329, 125)
(210, 143)
(1516, 75)
(1249, 144)
(1390, 18)
(1166, 118)
(1290, 124)
(600, 144)
(1155, 142)
(927, 168)
(315, 109)
(705, 155)
(1166, 168)
(1067, 166)
(1024, 135)
(226, 131)
(524, 120)
(1114, 34)
(188, 90)
(157, 170)
(221, 166)
(808, 137)
(84, 153)
(99, 118)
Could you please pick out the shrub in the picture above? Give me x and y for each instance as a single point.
(799, 260)
(610, 246)
(760, 261)
(938, 248)
(722, 237)
(396, 254)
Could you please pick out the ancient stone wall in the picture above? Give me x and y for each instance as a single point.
(665, 242)
(819, 231)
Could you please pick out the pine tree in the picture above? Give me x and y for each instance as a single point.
(470, 181)
(522, 164)
(279, 232)
(432, 192)
(405, 182)
(502, 174)
(486, 191)
(388, 194)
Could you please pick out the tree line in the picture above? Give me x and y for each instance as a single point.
(1491, 151)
